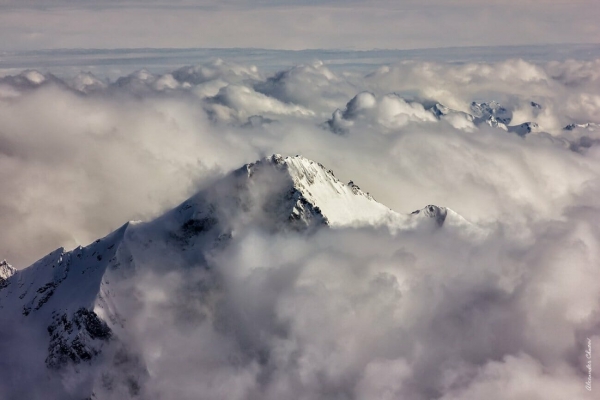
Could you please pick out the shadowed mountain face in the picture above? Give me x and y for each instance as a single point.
(79, 307)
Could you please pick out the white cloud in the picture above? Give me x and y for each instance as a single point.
(354, 313)
(520, 377)
(246, 102)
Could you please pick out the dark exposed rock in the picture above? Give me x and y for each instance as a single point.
(437, 213)
(75, 339)
(196, 226)
(94, 326)
(6, 271)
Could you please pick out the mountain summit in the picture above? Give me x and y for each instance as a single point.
(73, 305)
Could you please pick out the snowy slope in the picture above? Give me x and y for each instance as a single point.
(341, 204)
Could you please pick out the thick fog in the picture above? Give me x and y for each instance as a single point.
(361, 313)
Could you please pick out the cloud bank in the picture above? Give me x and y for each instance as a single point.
(294, 25)
(350, 313)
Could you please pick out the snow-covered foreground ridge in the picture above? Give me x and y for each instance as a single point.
(74, 305)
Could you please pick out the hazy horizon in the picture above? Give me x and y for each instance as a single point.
(296, 24)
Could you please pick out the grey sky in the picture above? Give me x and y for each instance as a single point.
(403, 24)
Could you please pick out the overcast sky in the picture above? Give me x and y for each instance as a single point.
(294, 24)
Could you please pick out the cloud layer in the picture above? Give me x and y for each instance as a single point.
(353, 314)
(82, 155)
(298, 24)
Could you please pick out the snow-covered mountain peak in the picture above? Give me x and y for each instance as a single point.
(494, 123)
(439, 110)
(6, 271)
(431, 211)
(76, 303)
(447, 218)
(483, 112)
(340, 204)
(277, 194)
(524, 128)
